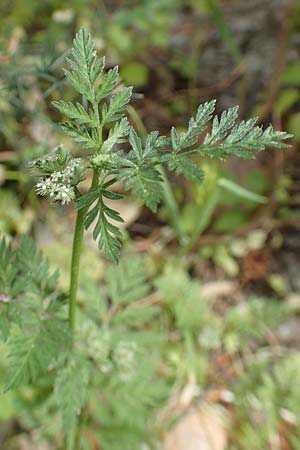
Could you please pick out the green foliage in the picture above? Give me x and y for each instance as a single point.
(114, 352)
(252, 321)
(243, 140)
(70, 391)
(124, 389)
(139, 173)
(76, 112)
(31, 353)
(190, 313)
(31, 322)
(128, 283)
(85, 67)
(106, 233)
(85, 126)
(139, 168)
(117, 106)
(272, 398)
(108, 384)
(25, 281)
(181, 141)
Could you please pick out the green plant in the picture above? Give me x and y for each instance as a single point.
(40, 341)
(266, 395)
(112, 367)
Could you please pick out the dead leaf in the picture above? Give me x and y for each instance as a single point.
(200, 429)
(26, 443)
(216, 289)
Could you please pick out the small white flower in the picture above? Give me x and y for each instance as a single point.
(57, 177)
(64, 194)
(125, 359)
(59, 184)
(44, 187)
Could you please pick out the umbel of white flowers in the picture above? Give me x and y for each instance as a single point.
(60, 174)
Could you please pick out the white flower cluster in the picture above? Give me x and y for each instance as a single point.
(98, 345)
(59, 185)
(120, 359)
(125, 359)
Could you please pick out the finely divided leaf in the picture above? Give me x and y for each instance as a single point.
(195, 127)
(243, 141)
(116, 135)
(221, 126)
(70, 391)
(9, 286)
(76, 112)
(127, 283)
(31, 353)
(136, 144)
(107, 234)
(198, 124)
(145, 183)
(85, 68)
(80, 134)
(117, 105)
(139, 172)
(108, 83)
(87, 199)
(184, 165)
(226, 137)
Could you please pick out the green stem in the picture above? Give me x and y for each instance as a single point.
(75, 264)
(77, 438)
(172, 208)
(224, 30)
(76, 253)
(206, 215)
(190, 353)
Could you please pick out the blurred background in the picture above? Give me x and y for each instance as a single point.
(225, 275)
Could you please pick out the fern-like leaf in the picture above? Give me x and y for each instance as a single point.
(76, 112)
(70, 391)
(127, 282)
(80, 134)
(108, 84)
(30, 354)
(184, 165)
(242, 140)
(139, 174)
(117, 105)
(85, 67)
(107, 234)
(220, 127)
(196, 125)
(116, 135)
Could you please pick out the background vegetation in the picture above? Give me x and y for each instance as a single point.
(211, 290)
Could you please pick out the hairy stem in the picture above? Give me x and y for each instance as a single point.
(172, 208)
(76, 253)
(72, 437)
(204, 220)
(75, 265)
